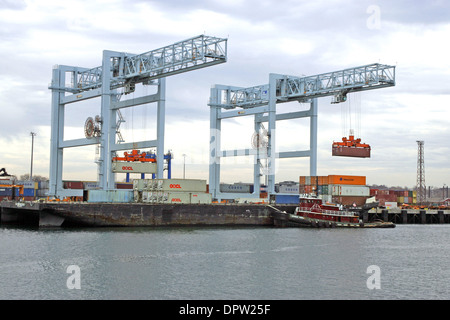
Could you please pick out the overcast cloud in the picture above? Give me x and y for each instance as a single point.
(286, 37)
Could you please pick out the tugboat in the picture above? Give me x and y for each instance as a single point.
(312, 212)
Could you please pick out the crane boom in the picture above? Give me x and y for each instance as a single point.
(292, 88)
(194, 53)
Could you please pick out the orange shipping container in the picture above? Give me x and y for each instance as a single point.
(313, 180)
(339, 179)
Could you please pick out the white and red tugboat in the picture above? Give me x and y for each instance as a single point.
(312, 212)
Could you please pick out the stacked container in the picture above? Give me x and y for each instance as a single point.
(175, 191)
(343, 189)
(29, 189)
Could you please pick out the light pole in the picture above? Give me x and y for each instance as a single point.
(32, 146)
(184, 166)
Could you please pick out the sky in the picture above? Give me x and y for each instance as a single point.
(267, 36)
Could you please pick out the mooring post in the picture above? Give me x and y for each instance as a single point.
(384, 215)
(441, 216)
(404, 214)
(423, 216)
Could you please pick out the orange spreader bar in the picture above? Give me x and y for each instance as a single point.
(135, 155)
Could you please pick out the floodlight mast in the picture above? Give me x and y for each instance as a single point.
(260, 101)
(122, 70)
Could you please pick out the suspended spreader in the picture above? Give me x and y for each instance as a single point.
(351, 147)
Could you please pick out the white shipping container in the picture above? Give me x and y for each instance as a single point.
(176, 197)
(28, 184)
(44, 184)
(145, 196)
(390, 205)
(289, 189)
(181, 185)
(142, 184)
(134, 167)
(201, 197)
(348, 190)
(91, 185)
(235, 188)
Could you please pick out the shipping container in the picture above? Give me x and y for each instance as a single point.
(323, 189)
(390, 205)
(28, 184)
(177, 185)
(44, 184)
(124, 185)
(90, 185)
(28, 192)
(289, 189)
(342, 179)
(42, 192)
(73, 184)
(199, 197)
(344, 151)
(386, 197)
(236, 188)
(6, 181)
(177, 197)
(115, 196)
(287, 199)
(302, 180)
(142, 184)
(348, 190)
(349, 200)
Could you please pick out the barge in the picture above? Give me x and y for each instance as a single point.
(84, 214)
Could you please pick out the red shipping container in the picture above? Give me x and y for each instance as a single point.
(124, 186)
(73, 185)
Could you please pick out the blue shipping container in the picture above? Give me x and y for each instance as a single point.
(287, 198)
(28, 192)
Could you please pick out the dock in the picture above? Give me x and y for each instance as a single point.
(409, 216)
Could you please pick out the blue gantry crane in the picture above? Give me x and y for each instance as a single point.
(260, 101)
(118, 76)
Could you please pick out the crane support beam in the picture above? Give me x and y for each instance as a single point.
(292, 88)
(129, 69)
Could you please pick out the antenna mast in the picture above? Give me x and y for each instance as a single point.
(421, 188)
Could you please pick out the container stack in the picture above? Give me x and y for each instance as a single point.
(342, 189)
(384, 196)
(174, 191)
(29, 189)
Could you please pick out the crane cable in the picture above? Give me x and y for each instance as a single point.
(351, 115)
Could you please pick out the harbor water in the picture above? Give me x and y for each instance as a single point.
(408, 262)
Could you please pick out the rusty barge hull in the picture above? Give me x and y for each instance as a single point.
(137, 214)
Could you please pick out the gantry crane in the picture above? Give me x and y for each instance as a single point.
(260, 101)
(118, 76)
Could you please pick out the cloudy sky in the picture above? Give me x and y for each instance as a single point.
(288, 37)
